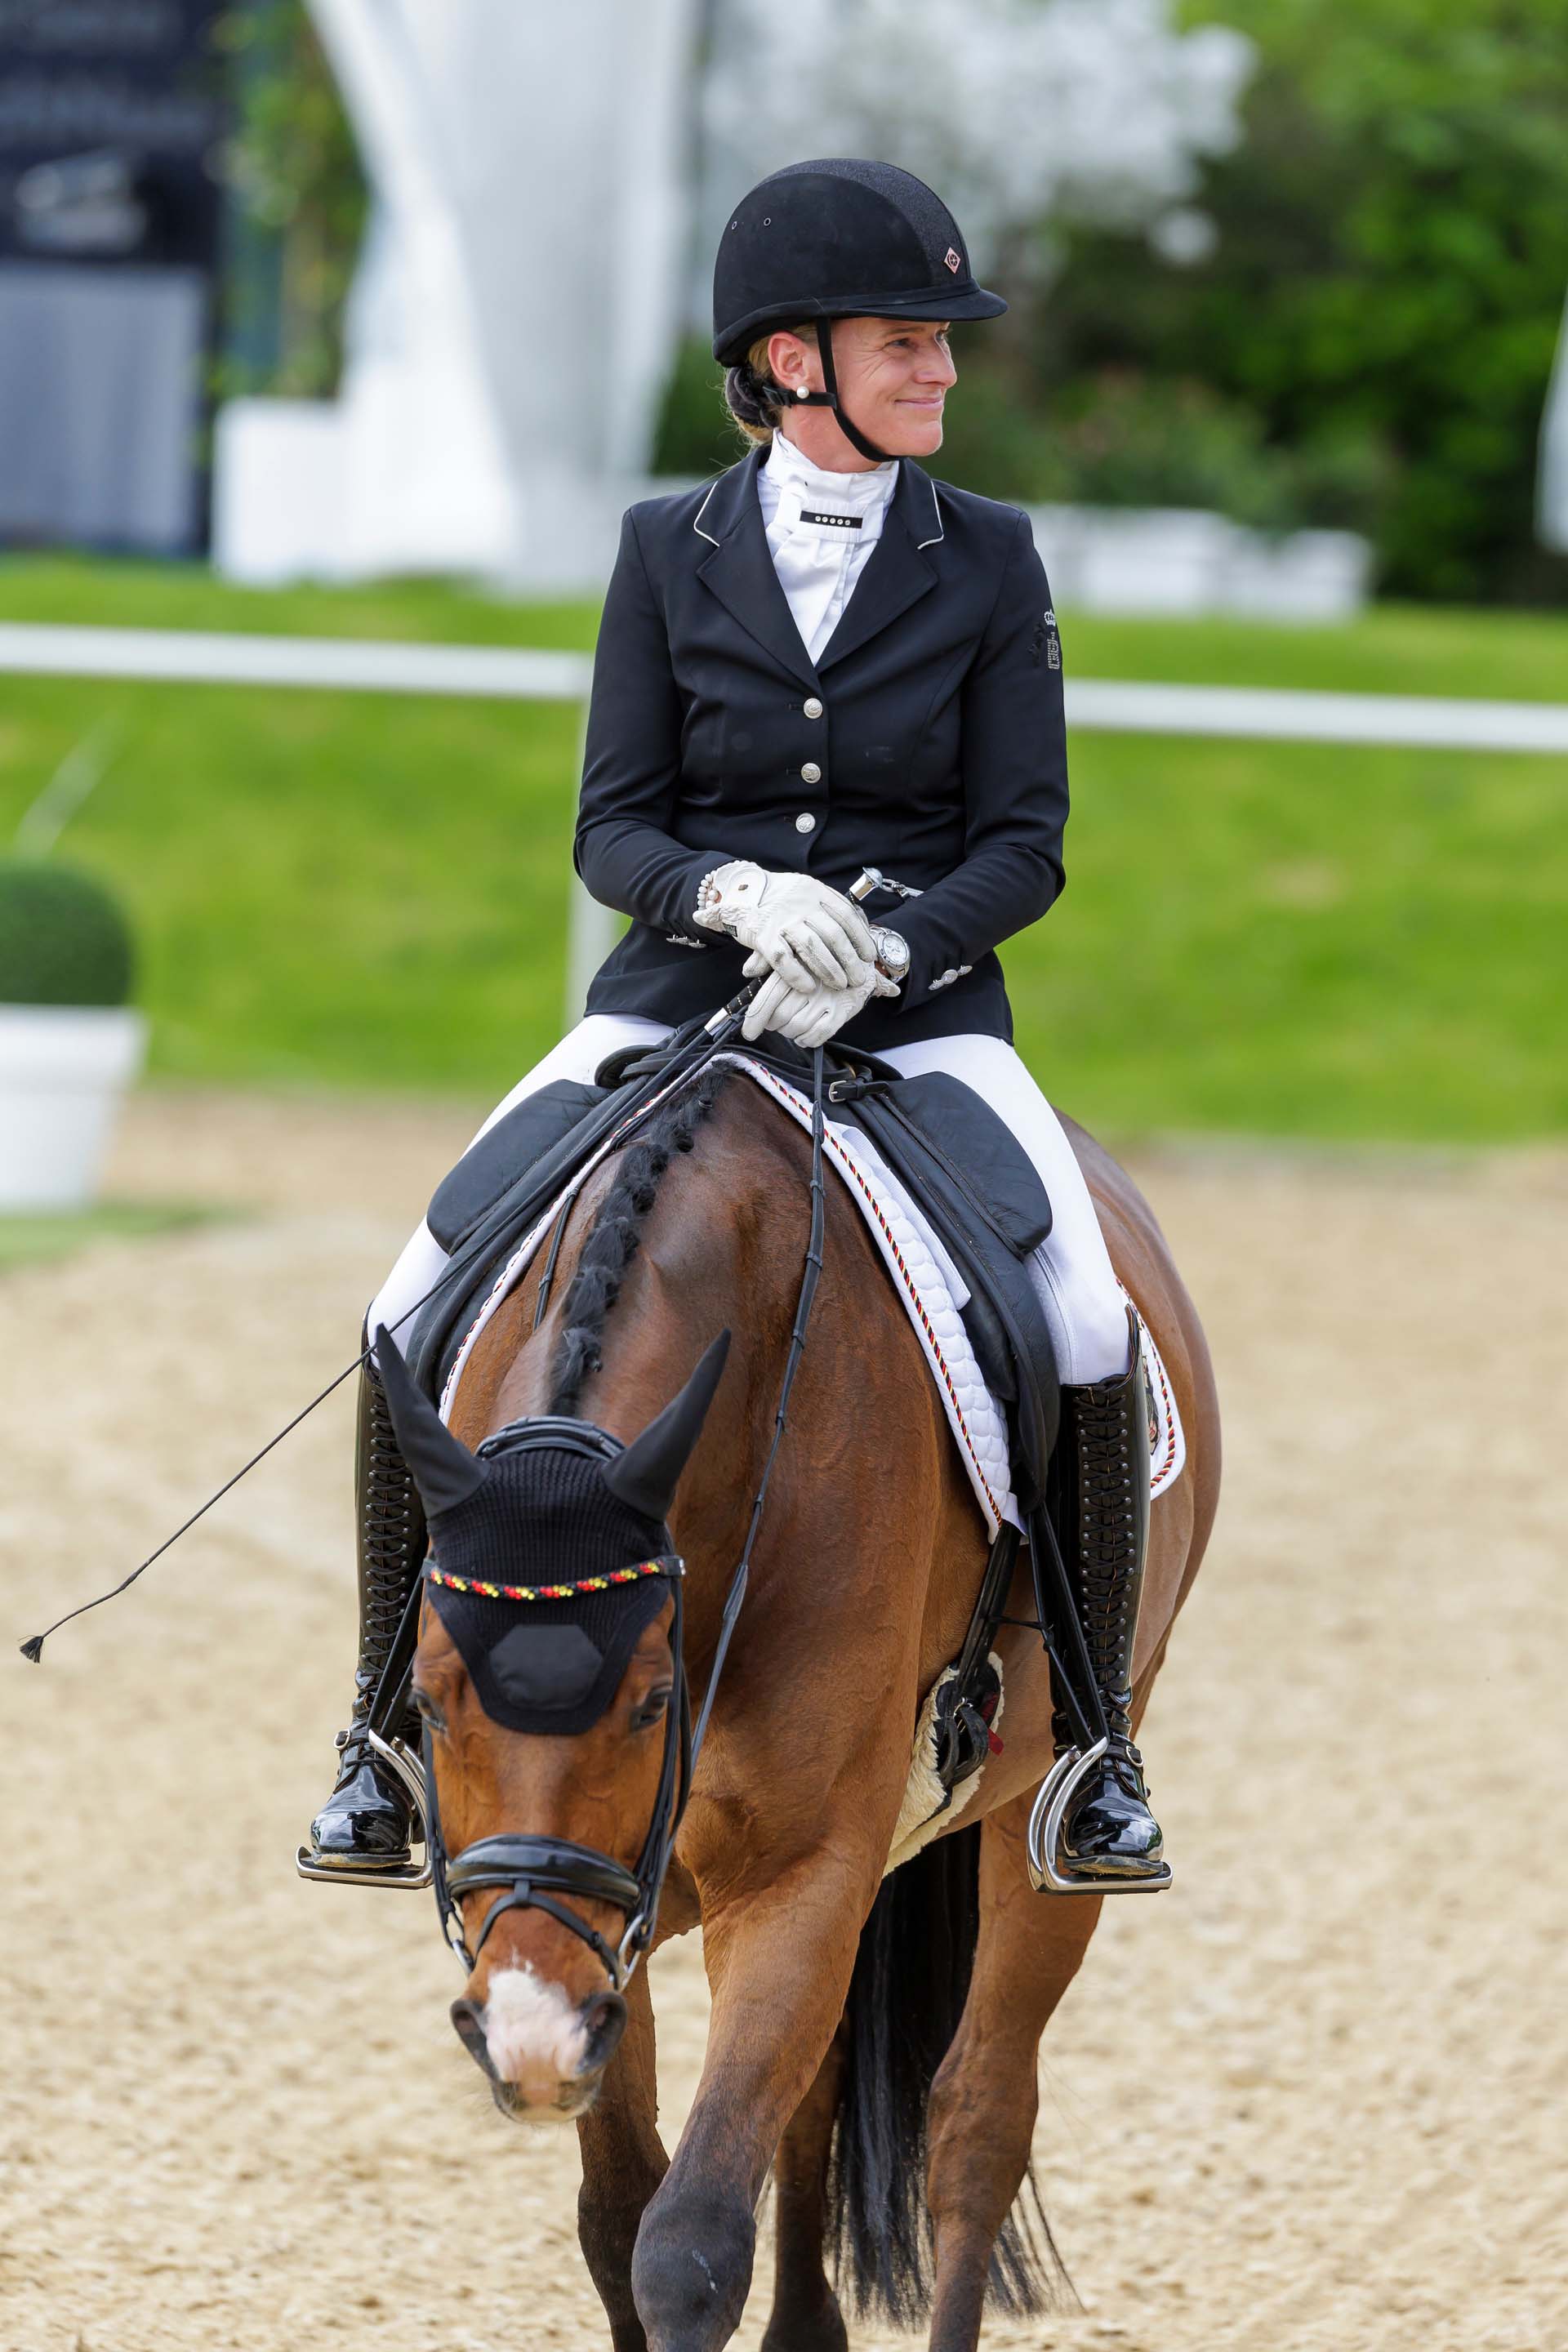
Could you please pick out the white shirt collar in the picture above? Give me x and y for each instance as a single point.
(820, 529)
(789, 470)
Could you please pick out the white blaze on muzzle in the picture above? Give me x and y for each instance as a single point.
(535, 2035)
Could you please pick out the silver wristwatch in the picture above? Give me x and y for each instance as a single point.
(892, 952)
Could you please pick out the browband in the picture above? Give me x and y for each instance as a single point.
(669, 1563)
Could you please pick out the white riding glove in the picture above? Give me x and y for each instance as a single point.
(807, 1017)
(809, 934)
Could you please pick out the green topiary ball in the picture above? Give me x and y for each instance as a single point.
(63, 939)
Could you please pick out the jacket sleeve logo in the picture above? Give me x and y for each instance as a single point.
(1047, 640)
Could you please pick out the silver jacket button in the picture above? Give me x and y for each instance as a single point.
(811, 773)
(812, 706)
(805, 822)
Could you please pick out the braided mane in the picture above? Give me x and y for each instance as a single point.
(616, 1233)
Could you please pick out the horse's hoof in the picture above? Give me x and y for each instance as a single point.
(691, 2270)
(822, 2332)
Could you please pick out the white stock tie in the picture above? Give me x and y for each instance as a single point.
(820, 529)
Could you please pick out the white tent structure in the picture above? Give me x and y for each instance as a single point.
(513, 316)
(542, 227)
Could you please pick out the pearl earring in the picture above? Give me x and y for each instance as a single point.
(802, 393)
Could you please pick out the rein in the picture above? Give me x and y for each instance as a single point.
(533, 1873)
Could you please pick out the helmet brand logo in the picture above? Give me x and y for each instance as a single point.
(953, 261)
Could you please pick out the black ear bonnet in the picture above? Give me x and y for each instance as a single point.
(544, 1517)
(551, 1550)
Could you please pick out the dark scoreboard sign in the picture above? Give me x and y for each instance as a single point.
(111, 112)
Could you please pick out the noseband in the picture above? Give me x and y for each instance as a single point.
(534, 1873)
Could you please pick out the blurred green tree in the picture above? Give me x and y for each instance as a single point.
(1351, 322)
(299, 205)
(1384, 276)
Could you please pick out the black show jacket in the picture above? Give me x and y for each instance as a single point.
(927, 739)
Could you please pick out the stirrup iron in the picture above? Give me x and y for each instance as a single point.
(407, 1768)
(1049, 1871)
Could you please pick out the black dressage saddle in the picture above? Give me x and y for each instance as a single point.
(969, 1176)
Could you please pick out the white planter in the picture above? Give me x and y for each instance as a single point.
(1159, 560)
(1311, 575)
(1168, 560)
(63, 1070)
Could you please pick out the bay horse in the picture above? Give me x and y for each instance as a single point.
(874, 2044)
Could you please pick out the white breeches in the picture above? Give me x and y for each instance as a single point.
(1073, 1275)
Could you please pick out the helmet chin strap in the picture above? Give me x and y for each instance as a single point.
(829, 398)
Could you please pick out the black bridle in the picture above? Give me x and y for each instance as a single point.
(535, 1873)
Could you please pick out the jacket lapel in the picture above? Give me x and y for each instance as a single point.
(739, 567)
(899, 570)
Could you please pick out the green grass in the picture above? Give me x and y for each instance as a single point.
(84, 591)
(1307, 941)
(35, 1239)
(1292, 940)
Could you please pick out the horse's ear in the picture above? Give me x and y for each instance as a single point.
(442, 1468)
(647, 1474)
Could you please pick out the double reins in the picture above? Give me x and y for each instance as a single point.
(531, 1873)
(536, 1873)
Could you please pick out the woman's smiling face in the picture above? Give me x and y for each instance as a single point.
(893, 377)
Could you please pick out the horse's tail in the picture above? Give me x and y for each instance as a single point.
(906, 1995)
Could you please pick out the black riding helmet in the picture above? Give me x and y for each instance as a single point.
(839, 238)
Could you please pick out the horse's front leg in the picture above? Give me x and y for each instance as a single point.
(779, 1958)
(623, 2163)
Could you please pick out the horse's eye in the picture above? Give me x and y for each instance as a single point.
(429, 1711)
(652, 1709)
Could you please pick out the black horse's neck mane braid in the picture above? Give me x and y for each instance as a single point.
(616, 1231)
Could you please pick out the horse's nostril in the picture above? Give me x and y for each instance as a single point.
(604, 2022)
(471, 2024)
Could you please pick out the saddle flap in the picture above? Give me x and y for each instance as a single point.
(530, 1129)
(989, 1341)
(1004, 1317)
(983, 1154)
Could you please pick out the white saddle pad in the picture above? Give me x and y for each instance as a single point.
(927, 1284)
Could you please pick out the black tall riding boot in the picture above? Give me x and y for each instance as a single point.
(364, 1823)
(1109, 1831)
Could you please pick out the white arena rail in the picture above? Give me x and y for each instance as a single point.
(367, 665)
(349, 665)
(375, 666)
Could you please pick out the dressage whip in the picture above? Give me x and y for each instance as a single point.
(716, 1033)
